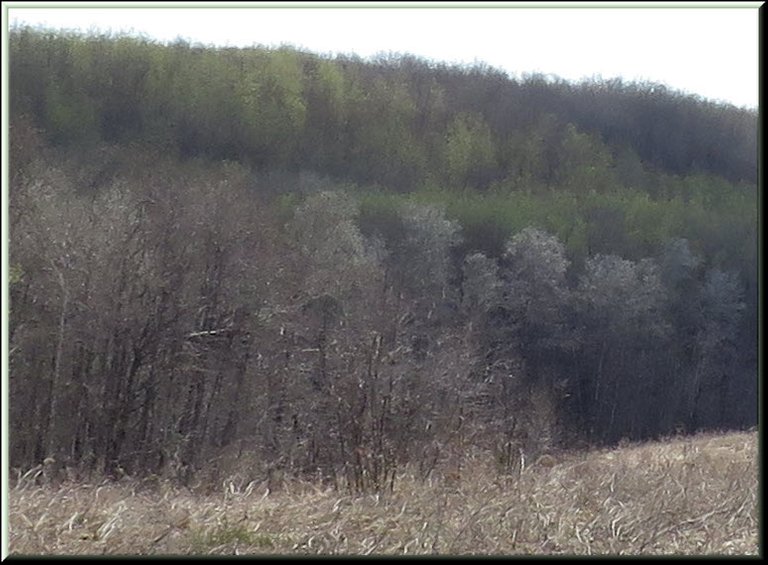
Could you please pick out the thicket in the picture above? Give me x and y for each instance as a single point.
(342, 266)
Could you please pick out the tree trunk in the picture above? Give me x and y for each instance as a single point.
(55, 443)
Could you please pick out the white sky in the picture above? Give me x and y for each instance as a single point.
(710, 51)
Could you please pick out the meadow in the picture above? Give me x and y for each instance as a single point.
(681, 496)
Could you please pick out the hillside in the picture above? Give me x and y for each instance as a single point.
(399, 122)
(304, 259)
(681, 496)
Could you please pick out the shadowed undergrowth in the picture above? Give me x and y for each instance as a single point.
(695, 495)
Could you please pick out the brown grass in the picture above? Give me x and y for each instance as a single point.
(683, 496)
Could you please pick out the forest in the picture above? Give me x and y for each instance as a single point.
(340, 266)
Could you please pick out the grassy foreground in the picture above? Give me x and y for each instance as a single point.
(696, 495)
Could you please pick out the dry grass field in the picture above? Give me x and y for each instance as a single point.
(683, 496)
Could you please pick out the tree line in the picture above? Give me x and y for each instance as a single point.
(174, 316)
(342, 267)
(398, 121)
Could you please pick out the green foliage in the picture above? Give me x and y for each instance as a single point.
(15, 274)
(469, 152)
(274, 110)
(225, 534)
(399, 122)
(380, 215)
(70, 117)
(260, 104)
(585, 164)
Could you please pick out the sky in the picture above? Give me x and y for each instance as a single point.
(708, 51)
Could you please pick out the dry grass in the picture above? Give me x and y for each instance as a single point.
(683, 496)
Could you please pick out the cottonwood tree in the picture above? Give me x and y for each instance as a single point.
(620, 305)
(430, 354)
(227, 263)
(481, 285)
(339, 320)
(49, 231)
(534, 269)
(709, 389)
(497, 369)
(67, 231)
(518, 332)
(125, 318)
